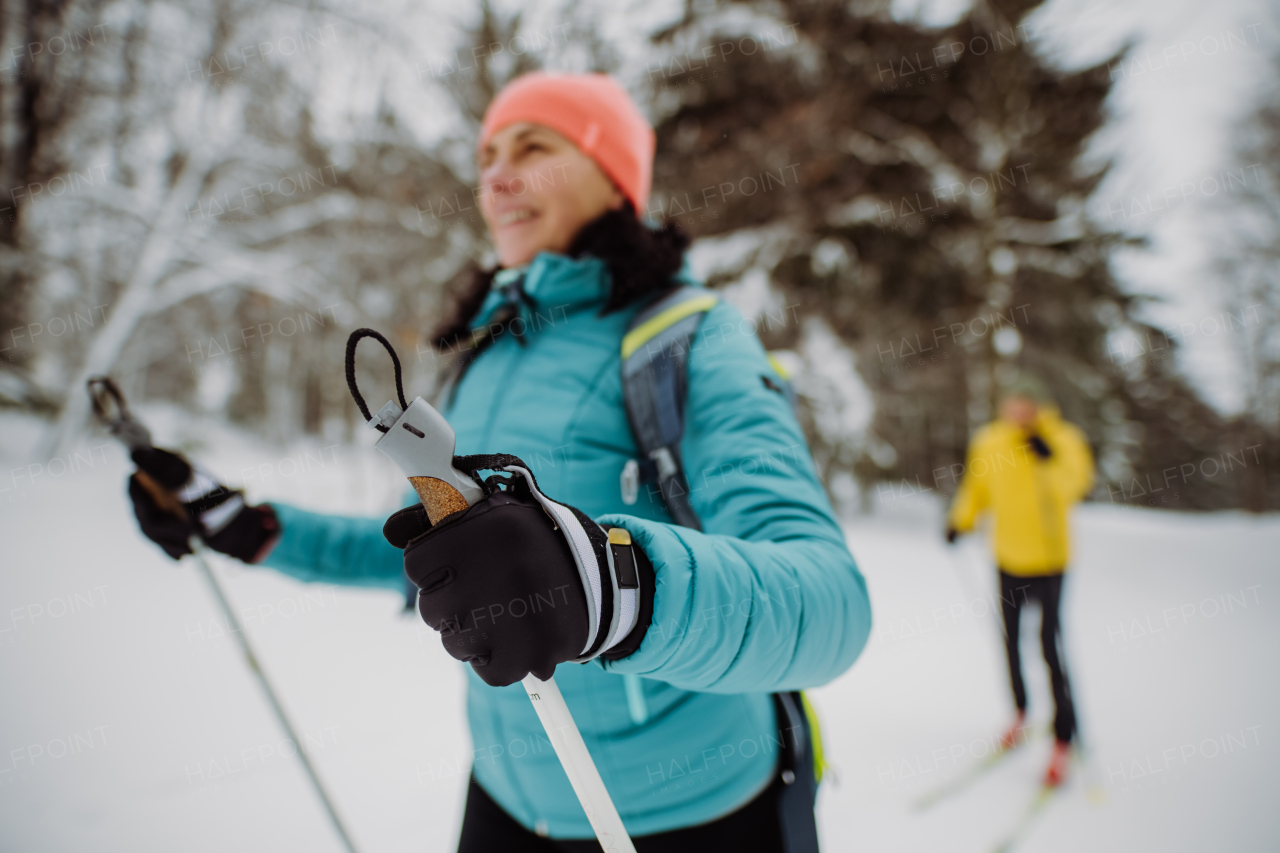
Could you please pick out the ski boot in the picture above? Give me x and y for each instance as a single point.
(1058, 762)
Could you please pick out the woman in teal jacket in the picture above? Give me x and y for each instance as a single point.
(764, 598)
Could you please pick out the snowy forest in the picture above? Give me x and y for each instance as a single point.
(915, 205)
(908, 211)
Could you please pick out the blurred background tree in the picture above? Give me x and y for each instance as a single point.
(900, 208)
(936, 227)
(177, 208)
(1249, 263)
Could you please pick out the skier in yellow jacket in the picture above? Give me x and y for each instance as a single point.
(1028, 469)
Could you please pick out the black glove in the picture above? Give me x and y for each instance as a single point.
(174, 500)
(1038, 447)
(502, 583)
(952, 535)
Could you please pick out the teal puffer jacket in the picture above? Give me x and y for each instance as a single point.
(766, 598)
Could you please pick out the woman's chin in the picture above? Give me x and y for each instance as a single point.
(520, 254)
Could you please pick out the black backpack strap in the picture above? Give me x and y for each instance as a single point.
(800, 766)
(655, 360)
(655, 363)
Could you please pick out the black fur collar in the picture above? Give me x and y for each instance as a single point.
(641, 261)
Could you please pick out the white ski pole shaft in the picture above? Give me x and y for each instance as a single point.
(961, 561)
(104, 392)
(421, 443)
(237, 630)
(581, 770)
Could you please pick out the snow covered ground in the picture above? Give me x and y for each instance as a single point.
(129, 722)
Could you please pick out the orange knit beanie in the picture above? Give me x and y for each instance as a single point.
(590, 110)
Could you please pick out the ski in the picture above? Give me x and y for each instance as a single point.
(1024, 824)
(961, 782)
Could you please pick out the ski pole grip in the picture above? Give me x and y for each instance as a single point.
(439, 498)
(421, 443)
(417, 439)
(164, 498)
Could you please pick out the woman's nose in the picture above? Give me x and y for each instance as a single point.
(497, 178)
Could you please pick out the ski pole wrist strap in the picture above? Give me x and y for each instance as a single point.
(646, 584)
(607, 568)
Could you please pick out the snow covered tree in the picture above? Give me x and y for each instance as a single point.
(48, 52)
(918, 192)
(202, 217)
(1249, 262)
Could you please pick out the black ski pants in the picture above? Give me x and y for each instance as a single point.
(755, 826)
(1015, 591)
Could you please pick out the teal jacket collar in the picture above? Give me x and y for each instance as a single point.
(549, 284)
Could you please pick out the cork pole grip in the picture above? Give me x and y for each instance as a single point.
(164, 498)
(438, 497)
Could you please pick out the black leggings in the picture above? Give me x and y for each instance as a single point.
(1016, 591)
(487, 828)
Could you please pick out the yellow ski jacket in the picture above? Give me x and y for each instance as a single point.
(1028, 497)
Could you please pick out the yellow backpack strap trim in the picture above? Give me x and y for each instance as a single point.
(815, 738)
(777, 366)
(642, 334)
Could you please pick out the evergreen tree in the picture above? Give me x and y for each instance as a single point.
(1249, 262)
(920, 191)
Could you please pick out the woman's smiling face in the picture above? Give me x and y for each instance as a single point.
(538, 191)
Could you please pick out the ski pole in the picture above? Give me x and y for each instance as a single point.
(960, 564)
(233, 622)
(131, 432)
(572, 751)
(420, 441)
